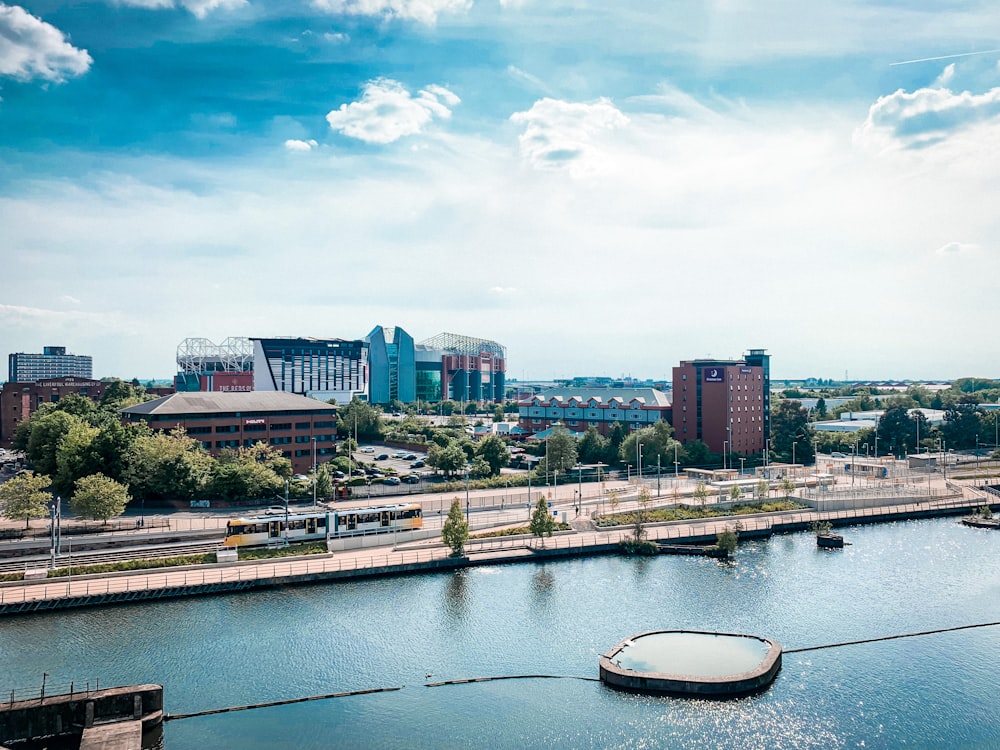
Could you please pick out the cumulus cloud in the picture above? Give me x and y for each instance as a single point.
(558, 134)
(386, 111)
(31, 48)
(199, 8)
(925, 117)
(293, 144)
(424, 11)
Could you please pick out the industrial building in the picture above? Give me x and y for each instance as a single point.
(577, 409)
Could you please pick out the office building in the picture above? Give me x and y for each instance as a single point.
(53, 362)
(392, 373)
(724, 403)
(323, 369)
(303, 429)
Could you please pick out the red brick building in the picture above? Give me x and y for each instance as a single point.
(295, 425)
(18, 401)
(725, 403)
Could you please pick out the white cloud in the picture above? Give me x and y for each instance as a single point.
(957, 248)
(524, 77)
(199, 8)
(503, 290)
(925, 117)
(337, 37)
(70, 299)
(293, 144)
(560, 134)
(31, 48)
(424, 11)
(387, 112)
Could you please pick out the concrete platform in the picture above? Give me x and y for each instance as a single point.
(121, 735)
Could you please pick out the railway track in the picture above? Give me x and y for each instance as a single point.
(112, 555)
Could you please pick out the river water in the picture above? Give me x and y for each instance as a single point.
(555, 618)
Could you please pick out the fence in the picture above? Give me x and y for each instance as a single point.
(50, 689)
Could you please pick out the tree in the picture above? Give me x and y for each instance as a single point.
(700, 494)
(98, 497)
(493, 450)
(25, 496)
(324, 484)
(696, 452)
(592, 447)
(735, 493)
(726, 540)
(455, 530)
(542, 524)
(118, 395)
(616, 435)
(449, 459)
(790, 426)
(788, 487)
(763, 487)
(639, 527)
(167, 466)
(821, 408)
(613, 500)
(43, 443)
(560, 453)
(243, 480)
(75, 458)
(897, 429)
(361, 418)
(962, 422)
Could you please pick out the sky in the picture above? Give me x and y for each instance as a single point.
(603, 188)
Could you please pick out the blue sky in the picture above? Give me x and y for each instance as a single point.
(604, 188)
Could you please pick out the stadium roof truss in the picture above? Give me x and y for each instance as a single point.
(234, 354)
(457, 344)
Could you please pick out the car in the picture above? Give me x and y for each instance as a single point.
(382, 457)
(367, 449)
(301, 477)
(409, 457)
(418, 464)
(837, 454)
(399, 454)
(410, 478)
(275, 510)
(359, 472)
(338, 475)
(393, 481)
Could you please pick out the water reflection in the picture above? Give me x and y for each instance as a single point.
(542, 584)
(456, 595)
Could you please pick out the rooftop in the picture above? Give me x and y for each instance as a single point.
(214, 402)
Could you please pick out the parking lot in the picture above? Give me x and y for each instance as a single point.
(389, 460)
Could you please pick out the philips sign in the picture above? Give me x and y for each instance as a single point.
(714, 375)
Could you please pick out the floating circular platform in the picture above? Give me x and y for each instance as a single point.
(690, 662)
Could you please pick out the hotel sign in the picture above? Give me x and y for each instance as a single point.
(747, 370)
(253, 421)
(714, 374)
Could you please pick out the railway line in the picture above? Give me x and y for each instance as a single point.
(79, 559)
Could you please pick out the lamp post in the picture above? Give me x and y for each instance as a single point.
(977, 452)
(657, 473)
(638, 461)
(742, 460)
(794, 443)
(314, 471)
(286, 510)
(725, 453)
(579, 484)
(675, 460)
(467, 493)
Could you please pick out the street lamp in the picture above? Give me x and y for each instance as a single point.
(467, 493)
(314, 470)
(638, 453)
(675, 460)
(725, 452)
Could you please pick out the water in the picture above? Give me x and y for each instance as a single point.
(695, 654)
(556, 618)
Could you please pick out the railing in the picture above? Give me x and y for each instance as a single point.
(298, 567)
(49, 689)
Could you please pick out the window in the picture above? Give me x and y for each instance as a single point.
(199, 430)
(226, 428)
(255, 428)
(323, 425)
(282, 426)
(301, 425)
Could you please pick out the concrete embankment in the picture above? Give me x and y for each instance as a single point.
(66, 593)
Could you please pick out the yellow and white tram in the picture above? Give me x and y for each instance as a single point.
(302, 527)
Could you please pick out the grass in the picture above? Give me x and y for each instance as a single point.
(125, 565)
(687, 513)
(6, 577)
(292, 550)
(517, 531)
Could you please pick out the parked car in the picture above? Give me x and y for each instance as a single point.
(393, 481)
(399, 454)
(338, 475)
(409, 457)
(410, 478)
(367, 449)
(417, 465)
(837, 454)
(275, 510)
(382, 457)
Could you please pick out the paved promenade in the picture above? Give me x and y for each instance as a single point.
(58, 593)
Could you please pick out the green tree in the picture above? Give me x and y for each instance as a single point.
(735, 493)
(896, 429)
(657, 445)
(727, 540)
(98, 497)
(455, 530)
(560, 452)
(639, 526)
(347, 447)
(167, 466)
(613, 500)
(243, 480)
(361, 418)
(75, 458)
(700, 494)
(696, 453)
(763, 487)
(790, 426)
(962, 423)
(43, 443)
(450, 459)
(788, 487)
(25, 496)
(498, 413)
(324, 484)
(616, 435)
(593, 447)
(542, 524)
(493, 450)
(821, 412)
(118, 395)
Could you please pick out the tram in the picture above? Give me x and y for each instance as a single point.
(303, 527)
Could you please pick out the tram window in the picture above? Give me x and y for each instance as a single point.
(300, 524)
(321, 522)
